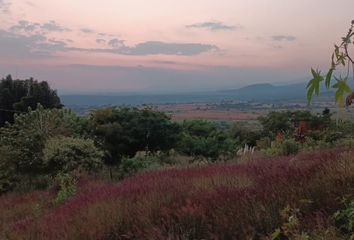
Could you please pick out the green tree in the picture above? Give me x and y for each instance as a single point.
(18, 95)
(202, 139)
(27, 136)
(342, 61)
(122, 132)
(67, 154)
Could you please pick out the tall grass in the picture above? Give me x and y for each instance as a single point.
(220, 201)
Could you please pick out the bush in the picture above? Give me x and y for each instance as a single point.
(345, 217)
(67, 188)
(289, 147)
(131, 166)
(283, 148)
(66, 154)
(27, 136)
(7, 170)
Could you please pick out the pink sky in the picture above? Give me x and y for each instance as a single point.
(168, 45)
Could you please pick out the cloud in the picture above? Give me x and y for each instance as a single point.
(87, 30)
(116, 43)
(32, 27)
(52, 26)
(156, 48)
(100, 41)
(165, 62)
(33, 39)
(280, 38)
(214, 26)
(32, 46)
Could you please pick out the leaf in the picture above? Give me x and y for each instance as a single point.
(276, 234)
(342, 88)
(328, 78)
(314, 84)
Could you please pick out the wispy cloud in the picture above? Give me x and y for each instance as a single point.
(156, 47)
(32, 27)
(280, 38)
(214, 26)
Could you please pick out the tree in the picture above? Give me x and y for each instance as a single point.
(18, 95)
(27, 136)
(341, 58)
(66, 154)
(202, 139)
(122, 132)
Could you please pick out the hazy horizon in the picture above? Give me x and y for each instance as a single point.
(166, 45)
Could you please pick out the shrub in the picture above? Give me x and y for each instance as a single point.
(27, 136)
(131, 166)
(345, 217)
(289, 147)
(66, 154)
(7, 169)
(67, 188)
(285, 147)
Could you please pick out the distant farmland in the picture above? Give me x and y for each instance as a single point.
(216, 115)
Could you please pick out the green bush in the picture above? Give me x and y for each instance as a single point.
(66, 154)
(345, 217)
(285, 147)
(131, 166)
(290, 146)
(7, 170)
(67, 188)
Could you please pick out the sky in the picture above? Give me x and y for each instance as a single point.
(168, 45)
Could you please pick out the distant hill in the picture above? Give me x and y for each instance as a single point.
(269, 92)
(256, 92)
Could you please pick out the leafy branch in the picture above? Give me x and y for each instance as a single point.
(340, 58)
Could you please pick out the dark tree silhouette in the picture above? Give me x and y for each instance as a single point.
(17, 96)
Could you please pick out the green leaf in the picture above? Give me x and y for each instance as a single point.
(328, 78)
(276, 234)
(314, 84)
(342, 88)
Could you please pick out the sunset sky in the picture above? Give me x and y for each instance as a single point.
(168, 45)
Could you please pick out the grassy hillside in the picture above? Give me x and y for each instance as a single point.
(289, 197)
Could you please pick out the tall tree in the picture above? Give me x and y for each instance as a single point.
(17, 96)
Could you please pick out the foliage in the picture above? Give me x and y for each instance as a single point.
(345, 217)
(202, 139)
(27, 136)
(67, 188)
(290, 227)
(122, 132)
(244, 135)
(19, 95)
(284, 148)
(131, 166)
(66, 154)
(7, 170)
(287, 121)
(340, 58)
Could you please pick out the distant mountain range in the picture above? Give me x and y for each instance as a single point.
(255, 92)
